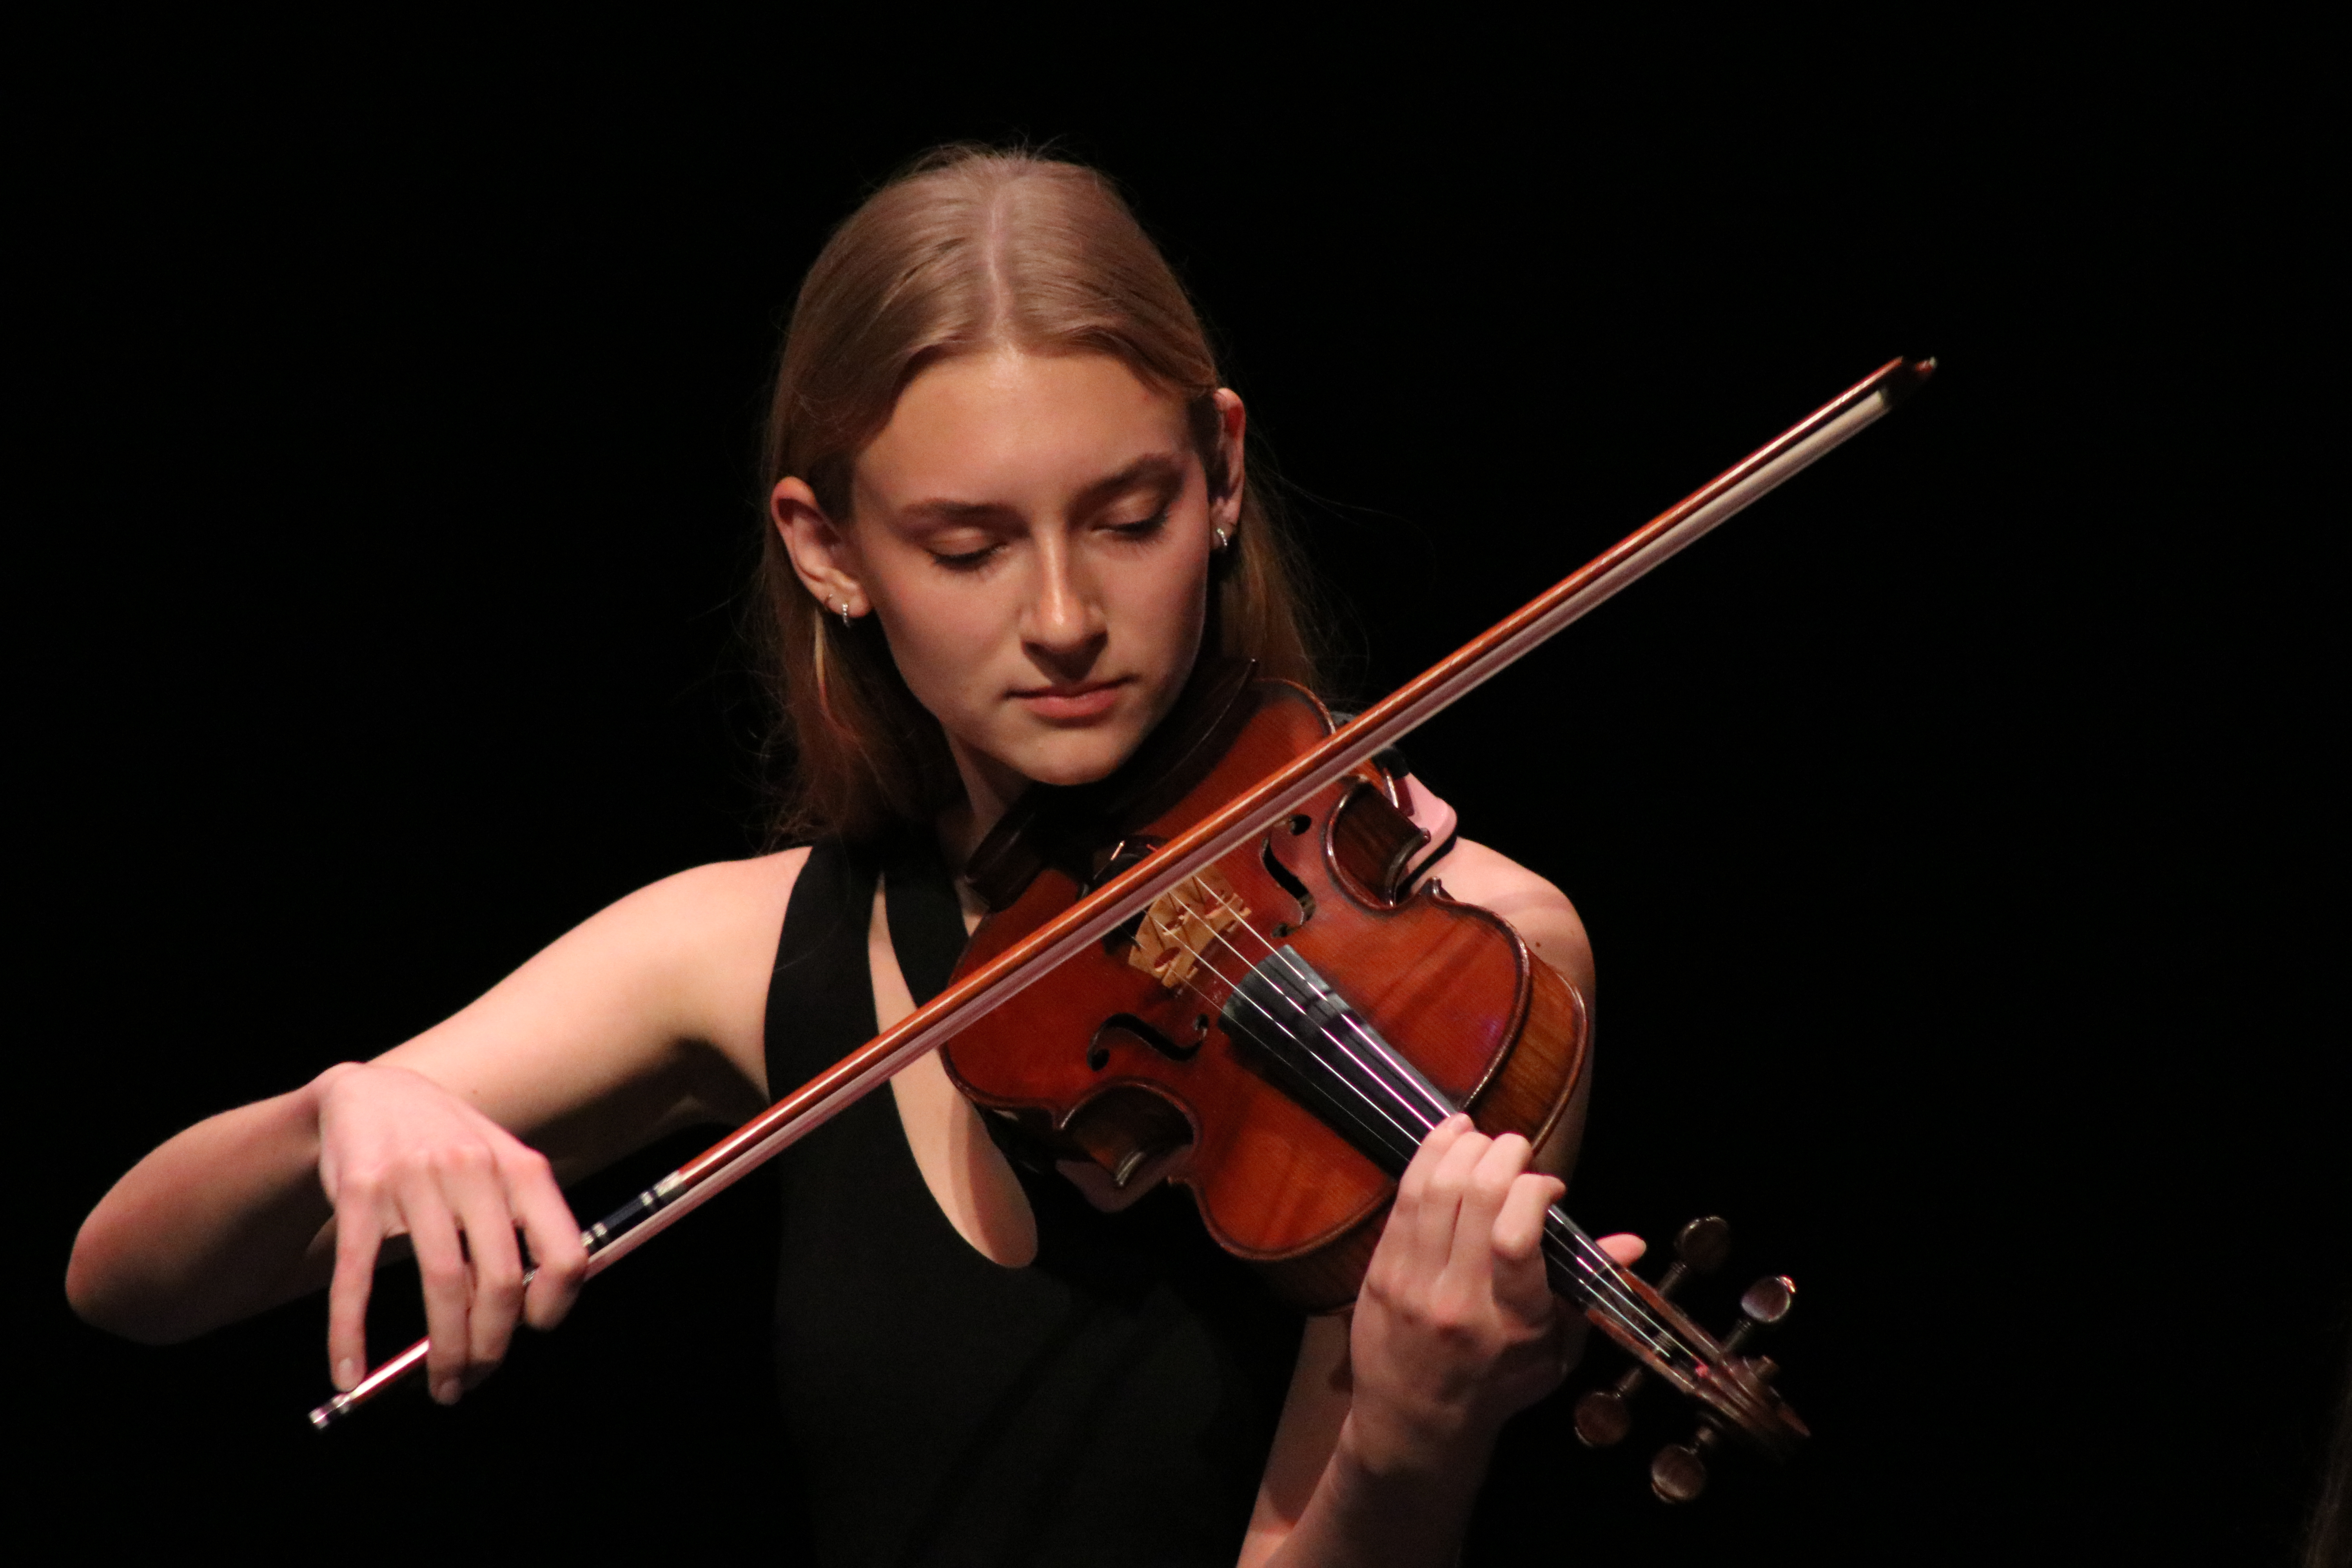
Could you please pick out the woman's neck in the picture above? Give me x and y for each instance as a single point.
(989, 788)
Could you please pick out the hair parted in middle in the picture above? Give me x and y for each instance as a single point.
(970, 249)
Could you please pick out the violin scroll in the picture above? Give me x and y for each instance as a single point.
(1603, 1416)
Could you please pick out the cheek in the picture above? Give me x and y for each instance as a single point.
(1172, 605)
(944, 643)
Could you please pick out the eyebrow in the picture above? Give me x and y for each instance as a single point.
(1165, 467)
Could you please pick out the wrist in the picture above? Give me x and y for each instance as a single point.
(1394, 1493)
(320, 1084)
(1395, 1449)
(312, 1095)
(308, 1109)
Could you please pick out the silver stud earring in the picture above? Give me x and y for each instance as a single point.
(1222, 537)
(845, 615)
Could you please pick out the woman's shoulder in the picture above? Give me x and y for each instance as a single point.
(697, 945)
(720, 887)
(702, 912)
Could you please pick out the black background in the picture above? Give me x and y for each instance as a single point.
(1947, 827)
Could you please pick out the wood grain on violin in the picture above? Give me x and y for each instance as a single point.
(1121, 1061)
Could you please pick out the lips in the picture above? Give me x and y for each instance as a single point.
(1075, 702)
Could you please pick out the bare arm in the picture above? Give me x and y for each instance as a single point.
(221, 1221)
(646, 1017)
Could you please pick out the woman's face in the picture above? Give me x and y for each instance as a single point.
(1034, 532)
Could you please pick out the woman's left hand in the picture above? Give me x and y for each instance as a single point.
(1384, 1440)
(1457, 1329)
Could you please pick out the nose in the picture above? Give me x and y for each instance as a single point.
(1062, 626)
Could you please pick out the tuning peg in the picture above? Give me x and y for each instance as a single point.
(1603, 1415)
(1678, 1473)
(1763, 1305)
(1700, 1249)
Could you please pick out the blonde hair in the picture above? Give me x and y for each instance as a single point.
(971, 248)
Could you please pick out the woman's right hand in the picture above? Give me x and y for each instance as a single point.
(400, 1155)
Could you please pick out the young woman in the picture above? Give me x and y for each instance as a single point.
(1010, 512)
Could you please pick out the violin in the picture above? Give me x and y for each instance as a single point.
(1251, 1019)
(1213, 951)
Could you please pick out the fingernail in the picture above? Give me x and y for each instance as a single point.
(446, 1390)
(347, 1375)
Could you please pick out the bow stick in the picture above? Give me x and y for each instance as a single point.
(1383, 724)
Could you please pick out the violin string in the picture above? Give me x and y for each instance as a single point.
(1602, 1279)
(1601, 1273)
(1203, 961)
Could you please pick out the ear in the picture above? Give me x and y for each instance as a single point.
(823, 557)
(1232, 423)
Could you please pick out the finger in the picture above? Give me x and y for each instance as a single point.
(1624, 1249)
(1519, 1227)
(441, 1268)
(1398, 1255)
(554, 1236)
(1440, 1214)
(1520, 1282)
(1428, 1157)
(1418, 1192)
(358, 1233)
(494, 1293)
(1485, 1186)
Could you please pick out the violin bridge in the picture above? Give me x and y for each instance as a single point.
(1183, 924)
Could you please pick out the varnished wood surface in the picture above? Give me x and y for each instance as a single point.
(1450, 986)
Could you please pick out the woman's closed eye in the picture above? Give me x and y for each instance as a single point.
(1141, 529)
(971, 560)
(965, 550)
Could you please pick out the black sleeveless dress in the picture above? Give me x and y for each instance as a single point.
(1113, 1403)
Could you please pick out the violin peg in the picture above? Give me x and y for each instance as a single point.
(1603, 1415)
(1700, 1249)
(1678, 1474)
(1704, 1243)
(1769, 1300)
(1602, 1418)
(1762, 1305)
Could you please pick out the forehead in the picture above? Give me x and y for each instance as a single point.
(1008, 428)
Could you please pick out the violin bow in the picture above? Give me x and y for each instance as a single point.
(1381, 725)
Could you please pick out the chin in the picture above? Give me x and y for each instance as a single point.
(1077, 757)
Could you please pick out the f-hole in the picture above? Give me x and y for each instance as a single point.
(1098, 1049)
(1285, 879)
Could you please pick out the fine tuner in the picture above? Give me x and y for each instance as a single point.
(1604, 1416)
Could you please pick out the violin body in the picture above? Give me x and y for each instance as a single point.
(1130, 1057)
